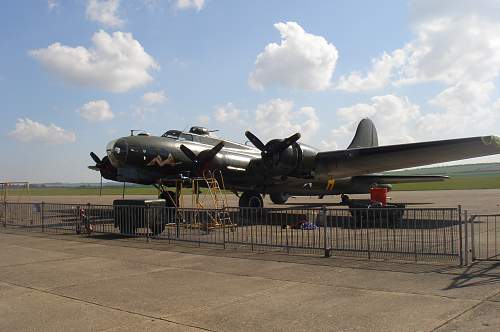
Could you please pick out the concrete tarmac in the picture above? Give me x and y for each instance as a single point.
(71, 283)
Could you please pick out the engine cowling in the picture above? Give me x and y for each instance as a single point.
(296, 160)
(285, 157)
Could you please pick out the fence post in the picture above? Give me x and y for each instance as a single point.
(466, 234)
(177, 221)
(78, 224)
(5, 214)
(88, 225)
(472, 240)
(149, 226)
(223, 226)
(42, 216)
(323, 220)
(368, 230)
(460, 236)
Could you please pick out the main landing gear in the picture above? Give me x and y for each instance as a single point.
(171, 199)
(279, 198)
(251, 199)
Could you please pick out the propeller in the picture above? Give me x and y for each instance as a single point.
(272, 147)
(95, 158)
(201, 160)
(101, 166)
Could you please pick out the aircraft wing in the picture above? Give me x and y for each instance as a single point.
(360, 161)
(391, 179)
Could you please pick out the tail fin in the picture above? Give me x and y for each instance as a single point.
(366, 135)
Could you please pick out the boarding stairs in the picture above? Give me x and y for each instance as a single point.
(215, 201)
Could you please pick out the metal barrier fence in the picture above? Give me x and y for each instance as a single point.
(376, 233)
(485, 237)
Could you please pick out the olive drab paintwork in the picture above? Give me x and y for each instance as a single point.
(282, 166)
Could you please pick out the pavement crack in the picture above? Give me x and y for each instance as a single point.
(457, 316)
(231, 301)
(107, 306)
(43, 261)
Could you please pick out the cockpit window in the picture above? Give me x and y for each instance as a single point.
(178, 135)
(185, 137)
(172, 134)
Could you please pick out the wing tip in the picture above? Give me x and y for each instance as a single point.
(491, 140)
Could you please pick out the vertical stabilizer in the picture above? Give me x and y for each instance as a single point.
(366, 135)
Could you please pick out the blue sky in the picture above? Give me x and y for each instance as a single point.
(77, 73)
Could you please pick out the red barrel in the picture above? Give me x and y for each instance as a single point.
(379, 195)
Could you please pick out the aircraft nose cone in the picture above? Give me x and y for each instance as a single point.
(117, 151)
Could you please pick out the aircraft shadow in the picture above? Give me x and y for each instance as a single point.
(478, 274)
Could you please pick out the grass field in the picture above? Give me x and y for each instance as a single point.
(85, 191)
(454, 183)
(462, 177)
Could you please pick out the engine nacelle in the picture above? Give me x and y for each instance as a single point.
(296, 160)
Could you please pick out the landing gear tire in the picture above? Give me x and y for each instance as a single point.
(344, 199)
(279, 198)
(251, 199)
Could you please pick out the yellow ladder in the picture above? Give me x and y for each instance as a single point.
(217, 193)
(219, 198)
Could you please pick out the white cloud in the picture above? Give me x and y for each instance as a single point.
(466, 109)
(96, 111)
(154, 98)
(189, 4)
(142, 112)
(52, 4)
(116, 63)
(28, 131)
(464, 97)
(301, 61)
(229, 113)
(104, 12)
(203, 120)
(278, 119)
(378, 77)
(462, 110)
(392, 115)
(454, 42)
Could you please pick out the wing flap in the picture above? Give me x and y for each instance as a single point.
(361, 161)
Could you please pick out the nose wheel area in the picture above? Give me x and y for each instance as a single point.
(251, 199)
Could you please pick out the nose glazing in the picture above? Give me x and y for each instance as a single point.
(117, 151)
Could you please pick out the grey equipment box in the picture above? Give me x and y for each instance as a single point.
(131, 214)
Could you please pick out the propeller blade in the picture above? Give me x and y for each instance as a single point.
(289, 141)
(255, 141)
(213, 152)
(94, 168)
(189, 153)
(95, 158)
